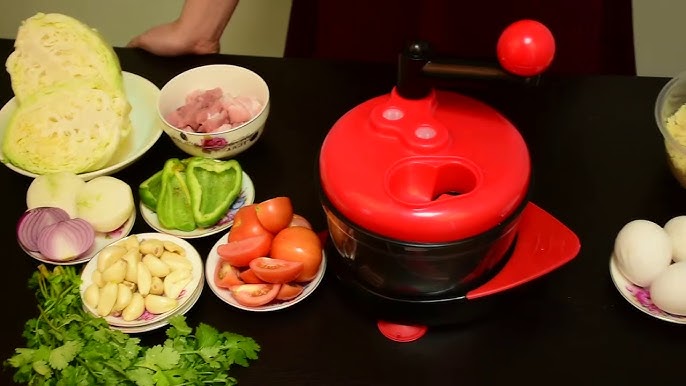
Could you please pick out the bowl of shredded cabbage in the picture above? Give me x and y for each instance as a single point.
(146, 129)
(214, 111)
(73, 109)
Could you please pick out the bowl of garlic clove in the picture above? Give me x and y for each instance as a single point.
(142, 279)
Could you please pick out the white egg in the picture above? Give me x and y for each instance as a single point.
(668, 290)
(643, 250)
(676, 229)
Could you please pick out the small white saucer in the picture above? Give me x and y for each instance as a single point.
(101, 241)
(246, 197)
(639, 297)
(225, 295)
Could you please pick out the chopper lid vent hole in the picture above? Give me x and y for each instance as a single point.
(393, 114)
(425, 132)
(422, 181)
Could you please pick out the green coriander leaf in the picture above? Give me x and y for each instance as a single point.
(24, 373)
(21, 357)
(207, 353)
(206, 335)
(61, 356)
(42, 368)
(42, 353)
(67, 346)
(75, 376)
(161, 379)
(179, 327)
(141, 376)
(247, 345)
(163, 357)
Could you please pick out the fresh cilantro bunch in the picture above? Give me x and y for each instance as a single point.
(66, 346)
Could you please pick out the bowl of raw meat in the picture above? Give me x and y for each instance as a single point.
(215, 111)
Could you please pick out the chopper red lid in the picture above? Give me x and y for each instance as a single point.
(436, 169)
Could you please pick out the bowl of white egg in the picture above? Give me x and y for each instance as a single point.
(648, 267)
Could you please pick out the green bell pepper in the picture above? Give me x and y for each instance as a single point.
(149, 190)
(174, 202)
(213, 185)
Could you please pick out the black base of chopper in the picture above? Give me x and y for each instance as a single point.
(432, 312)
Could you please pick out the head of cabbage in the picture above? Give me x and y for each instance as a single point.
(53, 48)
(75, 126)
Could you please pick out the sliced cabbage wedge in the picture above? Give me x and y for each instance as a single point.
(53, 48)
(74, 126)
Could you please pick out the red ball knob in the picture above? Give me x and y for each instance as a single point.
(526, 48)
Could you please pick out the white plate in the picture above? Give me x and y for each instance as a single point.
(639, 297)
(101, 241)
(148, 318)
(225, 294)
(146, 127)
(246, 197)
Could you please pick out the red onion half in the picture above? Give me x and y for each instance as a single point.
(32, 222)
(66, 240)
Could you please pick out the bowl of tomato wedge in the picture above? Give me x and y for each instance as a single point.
(269, 260)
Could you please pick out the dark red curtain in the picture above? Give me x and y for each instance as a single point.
(592, 36)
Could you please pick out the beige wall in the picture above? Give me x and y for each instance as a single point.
(659, 35)
(258, 27)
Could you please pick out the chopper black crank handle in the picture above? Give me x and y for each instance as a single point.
(525, 49)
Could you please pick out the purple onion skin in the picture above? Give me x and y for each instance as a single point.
(37, 219)
(77, 231)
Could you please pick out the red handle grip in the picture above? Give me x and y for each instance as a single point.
(526, 48)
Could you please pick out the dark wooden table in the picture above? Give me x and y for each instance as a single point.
(598, 163)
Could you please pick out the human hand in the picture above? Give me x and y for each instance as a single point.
(170, 40)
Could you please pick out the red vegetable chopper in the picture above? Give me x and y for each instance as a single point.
(426, 193)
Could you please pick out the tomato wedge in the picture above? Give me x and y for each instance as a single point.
(299, 220)
(246, 224)
(275, 214)
(240, 253)
(289, 291)
(276, 271)
(226, 276)
(255, 295)
(249, 277)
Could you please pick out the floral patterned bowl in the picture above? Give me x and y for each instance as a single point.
(233, 80)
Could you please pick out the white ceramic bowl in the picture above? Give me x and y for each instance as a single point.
(225, 295)
(187, 296)
(146, 127)
(233, 80)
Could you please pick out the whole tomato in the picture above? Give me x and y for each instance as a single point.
(299, 244)
(246, 224)
(275, 214)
